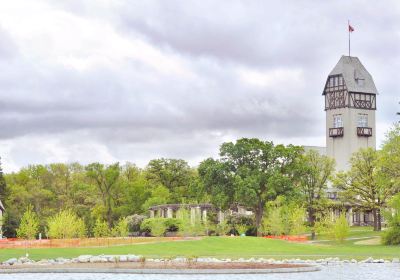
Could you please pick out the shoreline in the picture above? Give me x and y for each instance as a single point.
(161, 268)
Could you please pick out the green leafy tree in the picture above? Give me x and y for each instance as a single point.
(174, 174)
(390, 158)
(159, 195)
(217, 180)
(313, 171)
(101, 229)
(363, 185)
(66, 224)
(29, 225)
(261, 170)
(106, 180)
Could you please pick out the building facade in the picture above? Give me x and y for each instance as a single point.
(350, 105)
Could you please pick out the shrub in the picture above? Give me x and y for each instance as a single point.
(337, 229)
(283, 217)
(241, 229)
(189, 227)
(121, 228)
(222, 228)
(172, 224)
(155, 226)
(66, 224)
(101, 229)
(273, 223)
(297, 221)
(392, 235)
(29, 224)
(134, 222)
(340, 228)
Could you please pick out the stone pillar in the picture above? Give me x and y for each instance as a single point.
(198, 213)
(151, 213)
(192, 215)
(350, 216)
(160, 212)
(204, 215)
(169, 213)
(221, 216)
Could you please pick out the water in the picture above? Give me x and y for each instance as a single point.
(333, 272)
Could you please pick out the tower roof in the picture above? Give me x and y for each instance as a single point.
(355, 75)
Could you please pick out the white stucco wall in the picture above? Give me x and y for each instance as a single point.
(341, 148)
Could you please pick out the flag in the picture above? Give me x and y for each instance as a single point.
(351, 29)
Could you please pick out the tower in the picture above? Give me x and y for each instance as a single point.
(350, 105)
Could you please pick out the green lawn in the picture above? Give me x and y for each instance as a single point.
(232, 247)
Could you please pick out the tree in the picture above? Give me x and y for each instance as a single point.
(159, 195)
(174, 174)
(313, 171)
(390, 157)
(363, 185)
(29, 225)
(217, 180)
(105, 178)
(261, 170)
(66, 224)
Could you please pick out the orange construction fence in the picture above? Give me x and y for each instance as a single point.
(296, 238)
(80, 242)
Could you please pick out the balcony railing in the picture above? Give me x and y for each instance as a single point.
(336, 132)
(364, 131)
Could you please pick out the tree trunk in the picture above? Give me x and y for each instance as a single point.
(379, 222)
(259, 215)
(109, 213)
(375, 214)
(311, 220)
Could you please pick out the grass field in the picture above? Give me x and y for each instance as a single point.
(229, 247)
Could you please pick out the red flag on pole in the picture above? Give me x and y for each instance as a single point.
(351, 29)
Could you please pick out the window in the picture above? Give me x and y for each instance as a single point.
(340, 81)
(337, 121)
(360, 82)
(362, 120)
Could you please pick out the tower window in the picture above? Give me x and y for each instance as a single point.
(362, 120)
(360, 82)
(337, 121)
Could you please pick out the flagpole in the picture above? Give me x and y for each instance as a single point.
(348, 28)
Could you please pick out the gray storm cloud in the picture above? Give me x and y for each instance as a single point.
(134, 80)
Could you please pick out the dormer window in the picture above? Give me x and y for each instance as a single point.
(360, 82)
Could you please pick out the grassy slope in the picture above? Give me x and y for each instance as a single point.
(233, 247)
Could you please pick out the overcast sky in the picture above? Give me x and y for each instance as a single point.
(135, 80)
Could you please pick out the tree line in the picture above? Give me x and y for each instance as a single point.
(249, 172)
